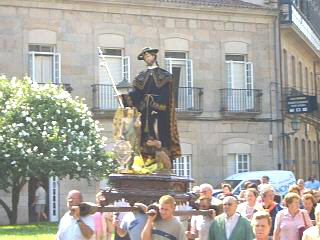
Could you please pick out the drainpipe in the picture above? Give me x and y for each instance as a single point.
(278, 82)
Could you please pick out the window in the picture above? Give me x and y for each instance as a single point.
(242, 163)
(293, 71)
(44, 64)
(300, 76)
(180, 66)
(119, 67)
(182, 166)
(311, 85)
(54, 199)
(306, 80)
(285, 67)
(239, 78)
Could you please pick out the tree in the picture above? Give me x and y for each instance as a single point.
(45, 132)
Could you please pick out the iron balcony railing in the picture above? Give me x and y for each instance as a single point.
(188, 99)
(240, 100)
(304, 18)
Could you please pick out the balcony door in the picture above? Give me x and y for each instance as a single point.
(180, 66)
(239, 83)
(119, 68)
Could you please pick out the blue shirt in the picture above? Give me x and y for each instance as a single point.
(133, 223)
(312, 185)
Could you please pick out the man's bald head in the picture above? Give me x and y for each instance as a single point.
(74, 198)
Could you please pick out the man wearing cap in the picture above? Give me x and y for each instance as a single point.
(152, 95)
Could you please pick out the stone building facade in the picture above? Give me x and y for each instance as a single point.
(224, 54)
(300, 56)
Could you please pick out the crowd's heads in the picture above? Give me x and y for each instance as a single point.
(292, 198)
(265, 179)
(230, 204)
(267, 194)
(74, 198)
(300, 183)
(294, 189)
(316, 196)
(308, 201)
(204, 202)
(226, 188)
(206, 190)
(251, 195)
(261, 224)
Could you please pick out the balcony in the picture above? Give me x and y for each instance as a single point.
(247, 101)
(296, 17)
(189, 99)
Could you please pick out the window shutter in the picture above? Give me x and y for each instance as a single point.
(189, 73)
(126, 68)
(56, 69)
(168, 63)
(31, 66)
(249, 75)
(229, 67)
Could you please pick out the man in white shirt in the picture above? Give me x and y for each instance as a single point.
(40, 201)
(72, 226)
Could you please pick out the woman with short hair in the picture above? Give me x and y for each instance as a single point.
(291, 221)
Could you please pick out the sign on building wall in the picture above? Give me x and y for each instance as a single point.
(301, 104)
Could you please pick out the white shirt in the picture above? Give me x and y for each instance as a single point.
(202, 224)
(40, 195)
(69, 228)
(230, 223)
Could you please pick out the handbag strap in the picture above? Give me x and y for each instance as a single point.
(304, 219)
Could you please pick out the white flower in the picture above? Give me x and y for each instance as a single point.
(65, 158)
(1, 139)
(7, 155)
(69, 120)
(13, 162)
(39, 116)
(19, 145)
(58, 111)
(29, 150)
(35, 148)
(79, 168)
(28, 119)
(76, 127)
(54, 122)
(99, 163)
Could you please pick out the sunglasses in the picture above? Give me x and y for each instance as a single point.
(227, 204)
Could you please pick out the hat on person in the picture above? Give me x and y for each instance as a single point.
(147, 50)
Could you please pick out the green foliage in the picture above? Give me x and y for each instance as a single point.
(45, 132)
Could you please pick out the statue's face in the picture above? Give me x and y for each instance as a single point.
(150, 59)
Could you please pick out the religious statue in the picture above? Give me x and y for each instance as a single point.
(152, 96)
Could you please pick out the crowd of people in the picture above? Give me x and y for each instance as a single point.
(257, 213)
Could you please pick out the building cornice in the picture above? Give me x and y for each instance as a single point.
(149, 8)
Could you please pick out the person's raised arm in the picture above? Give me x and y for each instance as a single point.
(146, 233)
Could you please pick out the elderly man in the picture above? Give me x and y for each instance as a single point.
(230, 225)
(72, 226)
(313, 233)
(261, 225)
(206, 190)
(168, 227)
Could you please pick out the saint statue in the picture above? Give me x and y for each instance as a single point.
(152, 96)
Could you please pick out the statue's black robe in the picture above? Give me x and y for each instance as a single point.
(161, 108)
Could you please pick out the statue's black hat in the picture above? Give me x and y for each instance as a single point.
(147, 50)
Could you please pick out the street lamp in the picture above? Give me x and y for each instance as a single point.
(123, 86)
(295, 124)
